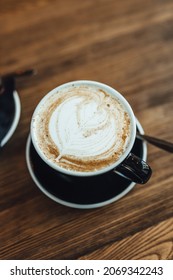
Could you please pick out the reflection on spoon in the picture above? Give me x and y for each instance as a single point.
(162, 144)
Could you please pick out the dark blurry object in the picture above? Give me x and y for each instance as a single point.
(162, 144)
(7, 104)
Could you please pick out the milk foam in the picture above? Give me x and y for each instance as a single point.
(82, 128)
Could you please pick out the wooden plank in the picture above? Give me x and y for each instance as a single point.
(154, 243)
(128, 45)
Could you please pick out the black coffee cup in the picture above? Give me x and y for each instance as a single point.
(128, 165)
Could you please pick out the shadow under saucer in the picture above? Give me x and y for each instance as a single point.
(81, 192)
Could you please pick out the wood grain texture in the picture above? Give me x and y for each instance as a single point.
(128, 45)
(154, 243)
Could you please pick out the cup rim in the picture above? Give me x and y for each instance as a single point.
(111, 91)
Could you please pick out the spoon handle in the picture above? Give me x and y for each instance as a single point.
(20, 73)
(165, 145)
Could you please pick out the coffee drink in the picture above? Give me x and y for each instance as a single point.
(81, 127)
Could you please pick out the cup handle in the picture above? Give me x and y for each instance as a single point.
(134, 169)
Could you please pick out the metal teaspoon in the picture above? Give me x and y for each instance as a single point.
(162, 144)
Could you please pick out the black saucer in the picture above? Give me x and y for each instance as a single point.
(90, 192)
(10, 109)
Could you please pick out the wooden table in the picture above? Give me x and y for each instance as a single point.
(128, 45)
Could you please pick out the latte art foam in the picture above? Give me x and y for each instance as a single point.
(82, 128)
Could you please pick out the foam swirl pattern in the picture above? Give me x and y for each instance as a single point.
(82, 128)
